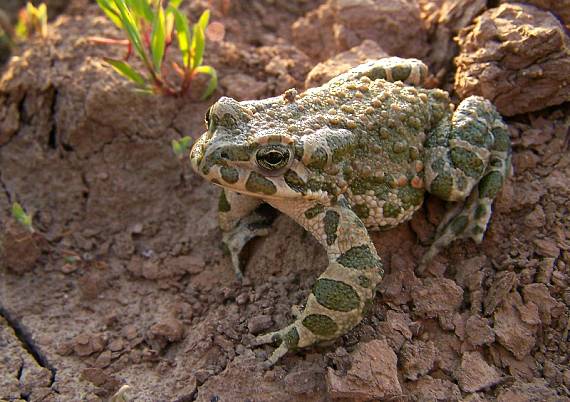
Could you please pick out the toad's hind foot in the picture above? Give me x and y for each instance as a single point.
(472, 170)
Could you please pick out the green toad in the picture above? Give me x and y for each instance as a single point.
(356, 154)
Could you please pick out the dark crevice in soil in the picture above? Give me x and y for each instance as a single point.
(52, 140)
(5, 189)
(26, 340)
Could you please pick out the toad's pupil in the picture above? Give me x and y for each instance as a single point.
(273, 157)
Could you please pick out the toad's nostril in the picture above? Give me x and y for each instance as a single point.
(225, 155)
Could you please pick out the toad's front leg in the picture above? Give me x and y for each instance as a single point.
(338, 299)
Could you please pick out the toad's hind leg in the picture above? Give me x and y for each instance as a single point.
(340, 294)
(240, 223)
(467, 159)
(392, 69)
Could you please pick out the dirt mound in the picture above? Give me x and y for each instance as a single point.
(149, 298)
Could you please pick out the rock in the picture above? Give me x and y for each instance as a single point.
(259, 324)
(516, 55)
(436, 296)
(560, 8)
(433, 389)
(511, 331)
(478, 332)
(339, 25)
(243, 87)
(342, 62)
(538, 390)
(373, 375)
(475, 374)
(417, 358)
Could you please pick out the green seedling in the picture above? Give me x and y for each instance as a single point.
(181, 146)
(32, 20)
(150, 29)
(22, 217)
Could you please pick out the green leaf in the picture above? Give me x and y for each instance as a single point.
(142, 9)
(213, 83)
(158, 38)
(111, 11)
(127, 71)
(174, 3)
(131, 28)
(42, 18)
(20, 215)
(183, 35)
(199, 39)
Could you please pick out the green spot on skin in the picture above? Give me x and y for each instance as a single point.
(257, 183)
(361, 210)
(401, 73)
(441, 186)
(391, 210)
(502, 140)
(331, 225)
(320, 325)
(490, 185)
(291, 338)
(467, 161)
(359, 257)
(314, 211)
(335, 295)
(223, 204)
(294, 181)
(229, 174)
(377, 73)
(459, 224)
(480, 212)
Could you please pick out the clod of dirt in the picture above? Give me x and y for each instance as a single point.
(513, 329)
(433, 389)
(516, 55)
(243, 87)
(536, 390)
(560, 8)
(437, 297)
(501, 286)
(417, 358)
(19, 249)
(164, 332)
(478, 332)
(373, 374)
(86, 344)
(259, 324)
(342, 62)
(476, 374)
(446, 20)
(339, 25)
(538, 294)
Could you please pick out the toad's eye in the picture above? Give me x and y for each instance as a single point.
(207, 118)
(273, 157)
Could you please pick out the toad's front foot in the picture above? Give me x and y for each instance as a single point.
(287, 338)
(251, 226)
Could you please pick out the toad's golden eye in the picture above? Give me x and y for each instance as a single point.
(273, 157)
